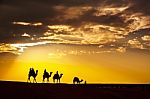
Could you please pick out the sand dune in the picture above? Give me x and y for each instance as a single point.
(24, 90)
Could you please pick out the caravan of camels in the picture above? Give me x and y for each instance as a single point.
(47, 75)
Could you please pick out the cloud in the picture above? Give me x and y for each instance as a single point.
(119, 22)
(140, 6)
(8, 48)
(121, 49)
(146, 38)
(135, 44)
(60, 28)
(26, 35)
(30, 24)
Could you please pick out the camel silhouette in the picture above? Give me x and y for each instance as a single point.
(46, 75)
(32, 74)
(76, 79)
(57, 77)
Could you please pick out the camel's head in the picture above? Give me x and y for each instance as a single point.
(61, 75)
(50, 73)
(36, 71)
(81, 80)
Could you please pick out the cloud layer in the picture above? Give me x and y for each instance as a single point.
(119, 24)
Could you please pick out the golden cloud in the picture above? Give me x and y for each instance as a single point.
(136, 44)
(146, 38)
(26, 35)
(109, 10)
(61, 28)
(121, 49)
(28, 24)
(8, 48)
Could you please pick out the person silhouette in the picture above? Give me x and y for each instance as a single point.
(32, 71)
(33, 74)
(44, 71)
(57, 77)
(57, 72)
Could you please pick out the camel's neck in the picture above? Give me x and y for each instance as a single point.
(60, 76)
(36, 73)
(50, 74)
(80, 81)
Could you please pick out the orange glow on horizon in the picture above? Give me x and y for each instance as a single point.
(102, 68)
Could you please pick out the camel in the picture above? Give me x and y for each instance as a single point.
(57, 77)
(32, 74)
(76, 79)
(47, 75)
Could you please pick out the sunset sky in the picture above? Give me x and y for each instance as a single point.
(100, 41)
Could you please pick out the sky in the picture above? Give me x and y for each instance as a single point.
(100, 41)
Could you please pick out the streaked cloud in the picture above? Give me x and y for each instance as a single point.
(121, 49)
(26, 35)
(109, 10)
(8, 48)
(135, 44)
(22, 46)
(61, 28)
(146, 38)
(28, 24)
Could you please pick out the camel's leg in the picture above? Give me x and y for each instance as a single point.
(43, 79)
(54, 80)
(35, 80)
(48, 79)
(29, 79)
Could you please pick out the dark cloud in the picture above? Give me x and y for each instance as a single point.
(111, 20)
(140, 6)
(89, 17)
(136, 35)
(8, 55)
